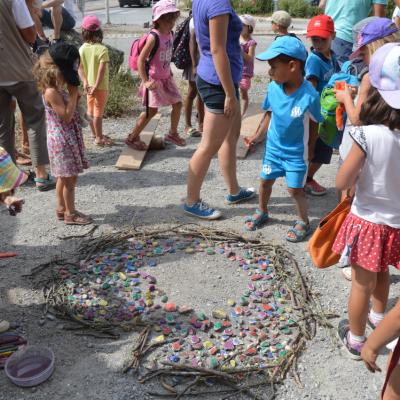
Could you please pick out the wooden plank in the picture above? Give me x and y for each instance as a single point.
(249, 126)
(132, 159)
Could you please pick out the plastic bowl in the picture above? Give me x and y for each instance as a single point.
(30, 366)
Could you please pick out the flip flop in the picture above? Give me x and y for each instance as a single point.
(175, 139)
(106, 142)
(77, 219)
(7, 254)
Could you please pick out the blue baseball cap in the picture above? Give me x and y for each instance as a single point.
(287, 45)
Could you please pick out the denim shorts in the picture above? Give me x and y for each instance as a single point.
(342, 49)
(67, 24)
(213, 96)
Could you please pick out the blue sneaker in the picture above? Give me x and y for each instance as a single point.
(243, 195)
(202, 210)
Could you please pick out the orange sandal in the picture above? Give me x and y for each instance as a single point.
(77, 219)
(136, 143)
(175, 139)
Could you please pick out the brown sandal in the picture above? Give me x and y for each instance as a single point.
(60, 215)
(77, 219)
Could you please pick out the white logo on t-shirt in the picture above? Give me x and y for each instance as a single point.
(266, 169)
(296, 112)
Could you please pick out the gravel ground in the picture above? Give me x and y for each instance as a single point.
(88, 368)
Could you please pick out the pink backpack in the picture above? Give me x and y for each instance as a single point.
(137, 47)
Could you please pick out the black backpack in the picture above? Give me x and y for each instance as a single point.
(181, 52)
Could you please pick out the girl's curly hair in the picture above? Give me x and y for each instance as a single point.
(46, 73)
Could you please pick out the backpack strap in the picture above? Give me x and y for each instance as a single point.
(392, 365)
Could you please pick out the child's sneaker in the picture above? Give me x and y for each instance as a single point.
(243, 195)
(343, 332)
(314, 188)
(202, 210)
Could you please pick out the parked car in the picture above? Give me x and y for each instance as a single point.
(130, 3)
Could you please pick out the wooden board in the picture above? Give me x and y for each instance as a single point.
(249, 126)
(133, 159)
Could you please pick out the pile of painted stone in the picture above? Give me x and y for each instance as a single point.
(256, 329)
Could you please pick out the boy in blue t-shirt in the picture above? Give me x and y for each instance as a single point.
(321, 64)
(292, 108)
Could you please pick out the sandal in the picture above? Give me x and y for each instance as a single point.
(45, 184)
(77, 219)
(175, 139)
(299, 234)
(136, 143)
(22, 159)
(105, 142)
(193, 132)
(259, 218)
(60, 215)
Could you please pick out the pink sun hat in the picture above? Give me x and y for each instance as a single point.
(91, 23)
(164, 7)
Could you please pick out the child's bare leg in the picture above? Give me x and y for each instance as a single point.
(98, 129)
(141, 123)
(380, 295)
(245, 100)
(175, 116)
(69, 194)
(92, 127)
(57, 19)
(265, 194)
(393, 387)
(300, 203)
(200, 113)
(362, 286)
(191, 95)
(60, 195)
(25, 140)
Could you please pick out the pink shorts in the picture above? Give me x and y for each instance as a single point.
(245, 83)
(371, 246)
(165, 94)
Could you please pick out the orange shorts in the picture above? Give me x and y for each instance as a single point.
(96, 103)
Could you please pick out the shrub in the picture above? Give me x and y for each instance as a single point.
(390, 8)
(298, 8)
(123, 89)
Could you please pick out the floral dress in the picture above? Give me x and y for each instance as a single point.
(65, 143)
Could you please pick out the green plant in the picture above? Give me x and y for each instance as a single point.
(253, 6)
(298, 8)
(123, 88)
(390, 8)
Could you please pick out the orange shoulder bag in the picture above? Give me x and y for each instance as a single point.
(321, 242)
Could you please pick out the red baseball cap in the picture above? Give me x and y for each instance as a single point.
(321, 26)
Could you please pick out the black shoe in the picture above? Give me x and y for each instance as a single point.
(342, 333)
(41, 45)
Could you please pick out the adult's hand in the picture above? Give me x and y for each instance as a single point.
(231, 106)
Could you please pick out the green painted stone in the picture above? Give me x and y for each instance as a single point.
(282, 353)
(243, 301)
(214, 362)
(210, 251)
(164, 298)
(218, 326)
(136, 296)
(201, 316)
(105, 285)
(170, 319)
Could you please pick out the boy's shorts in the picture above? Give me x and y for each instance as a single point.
(295, 171)
(322, 153)
(96, 103)
(213, 96)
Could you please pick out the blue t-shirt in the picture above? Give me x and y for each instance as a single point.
(203, 11)
(346, 13)
(288, 131)
(321, 68)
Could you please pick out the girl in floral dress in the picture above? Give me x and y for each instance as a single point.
(55, 70)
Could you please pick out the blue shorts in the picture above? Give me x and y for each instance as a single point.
(295, 171)
(213, 96)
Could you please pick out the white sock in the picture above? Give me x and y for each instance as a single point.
(355, 338)
(376, 317)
